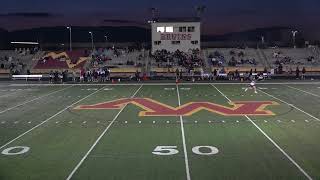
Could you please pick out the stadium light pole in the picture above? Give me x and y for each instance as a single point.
(91, 35)
(262, 40)
(150, 22)
(106, 37)
(70, 37)
(294, 33)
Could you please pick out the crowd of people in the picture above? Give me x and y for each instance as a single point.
(16, 66)
(188, 60)
(94, 75)
(101, 56)
(89, 75)
(217, 59)
(60, 77)
(287, 60)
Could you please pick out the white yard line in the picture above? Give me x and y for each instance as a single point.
(272, 141)
(280, 149)
(26, 102)
(304, 91)
(186, 160)
(99, 138)
(61, 111)
(291, 105)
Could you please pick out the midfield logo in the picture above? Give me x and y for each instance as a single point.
(154, 108)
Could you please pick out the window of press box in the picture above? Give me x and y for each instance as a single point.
(160, 29)
(191, 29)
(182, 29)
(169, 29)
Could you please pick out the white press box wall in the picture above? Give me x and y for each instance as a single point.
(184, 39)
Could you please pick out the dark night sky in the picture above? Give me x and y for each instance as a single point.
(220, 17)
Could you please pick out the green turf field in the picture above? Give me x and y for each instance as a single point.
(140, 133)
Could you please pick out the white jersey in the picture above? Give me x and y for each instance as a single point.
(252, 83)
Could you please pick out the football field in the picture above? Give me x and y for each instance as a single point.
(160, 132)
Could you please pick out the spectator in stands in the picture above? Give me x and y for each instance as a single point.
(108, 74)
(103, 75)
(177, 74)
(60, 76)
(89, 76)
(51, 76)
(237, 75)
(265, 70)
(297, 73)
(303, 73)
(82, 74)
(230, 76)
(137, 75)
(56, 76)
(95, 75)
(290, 70)
(222, 71)
(280, 69)
(191, 74)
(66, 76)
(74, 75)
(246, 76)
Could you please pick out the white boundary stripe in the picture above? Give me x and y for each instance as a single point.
(272, 141)
(26, 102)
(186, 160)
(280, 149)
(162, 84)
(99, 138)
(291, 105)
(4, 95)
(61, 111)
(303, 91)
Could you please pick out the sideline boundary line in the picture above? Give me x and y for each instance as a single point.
(173, 83)
(186, 160)
(29, 101)
(291, 105)
(99, 138)
(272, 141)
(303, 91)
(61, 111)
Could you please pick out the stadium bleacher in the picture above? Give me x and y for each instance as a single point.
(291, 56)
(125, 62)
(232, 57)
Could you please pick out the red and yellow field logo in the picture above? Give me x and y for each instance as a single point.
(154, 108)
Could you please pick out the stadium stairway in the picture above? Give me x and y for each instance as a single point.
(264, 58)
(207, 68)
(261, 59)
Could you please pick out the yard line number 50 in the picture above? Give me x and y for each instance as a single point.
(172, 150)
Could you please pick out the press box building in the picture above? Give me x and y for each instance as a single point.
(176, 34)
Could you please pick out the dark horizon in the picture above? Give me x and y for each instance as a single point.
(219, 17)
